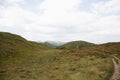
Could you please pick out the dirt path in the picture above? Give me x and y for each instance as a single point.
(116, 73)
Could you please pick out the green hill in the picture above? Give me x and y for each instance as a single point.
(76, 45)
(11, 44)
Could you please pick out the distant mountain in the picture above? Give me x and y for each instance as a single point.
(54, 43)
(76, 45)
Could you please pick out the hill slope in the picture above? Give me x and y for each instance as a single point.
(11, 44)
(76, 45)
(102, 50)
(35, 61)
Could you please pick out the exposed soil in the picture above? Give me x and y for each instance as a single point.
(116, 73)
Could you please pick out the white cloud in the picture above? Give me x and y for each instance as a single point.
(13, 2)
(59, 5)
(57, 12)
(109, 7)
(62, 20)
(14, 16)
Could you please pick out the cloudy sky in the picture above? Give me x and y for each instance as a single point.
(62, 20)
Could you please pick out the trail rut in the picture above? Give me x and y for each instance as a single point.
(116, 73)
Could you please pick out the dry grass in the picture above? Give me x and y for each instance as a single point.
(24, 60)
(51, 65)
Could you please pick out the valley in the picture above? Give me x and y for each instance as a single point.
(27, 60)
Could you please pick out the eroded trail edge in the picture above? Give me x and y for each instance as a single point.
(116, 73)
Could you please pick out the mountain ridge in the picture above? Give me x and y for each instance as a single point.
(76, 45)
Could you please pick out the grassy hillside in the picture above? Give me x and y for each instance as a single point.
(26, 60)
(102, 50)
(50, 65)
(11, 44)
(76, 45)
